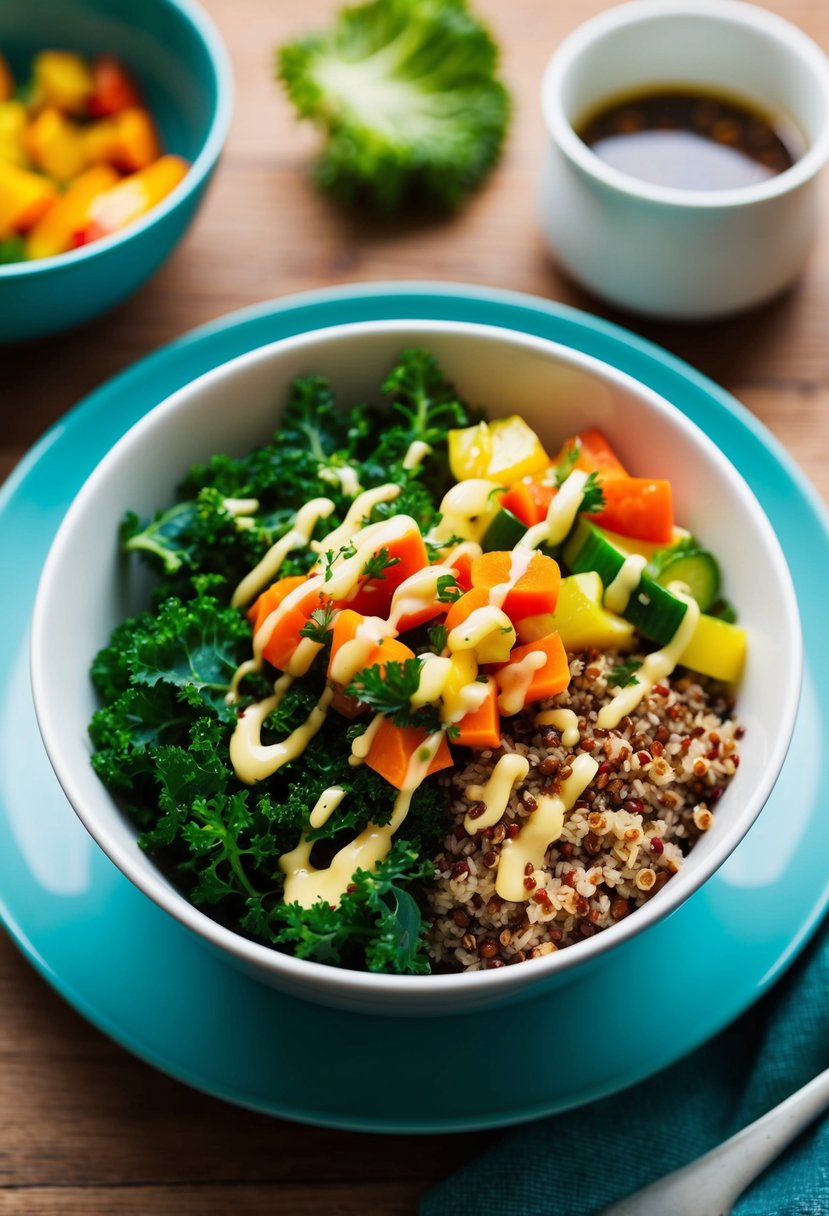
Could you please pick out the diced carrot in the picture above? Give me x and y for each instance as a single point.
(394, 748)
(481, 727)
(286, 636)
(373, 597)
(533, 591)
(550, 679)
(53, 232)
(411, 620)
(346, 624)
(461, 564)
(389, 650)
(271, 597)
(519, 499)
(595, 454)
(465, 606)
(638, 507)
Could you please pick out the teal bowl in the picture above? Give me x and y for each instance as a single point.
(184, 73)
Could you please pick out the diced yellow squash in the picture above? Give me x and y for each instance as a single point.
(6, 80)
(462, 671)
(13, 122)
(24, 197)
(506, 450)
(55, 145)
(63, 79)
(582, 621)
(516, 450)
(717, 649)
(470, 451)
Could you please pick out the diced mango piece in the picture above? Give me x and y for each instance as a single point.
(63, 79)
(55, 145)
(127, 140)
(6, 80)
(13, 121)
(582, 621)
(55, 231)
(470, 450)
(24, 197)
(717, 649)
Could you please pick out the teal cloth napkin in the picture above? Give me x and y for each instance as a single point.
(574, 1163)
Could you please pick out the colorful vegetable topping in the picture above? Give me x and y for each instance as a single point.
(80, 156)
(342, 662)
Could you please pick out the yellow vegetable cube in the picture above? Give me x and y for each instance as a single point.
(55, 145)
(63, 79)
(12, 132)
(717, 649)
(516, 450)
(55, 231)
(470, 451)
(463, 670)
(582, 621)
(24, 197)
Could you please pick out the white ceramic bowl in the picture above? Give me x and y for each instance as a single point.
(86, 589)
(684, 254)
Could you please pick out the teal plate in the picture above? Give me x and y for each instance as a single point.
(145, 981)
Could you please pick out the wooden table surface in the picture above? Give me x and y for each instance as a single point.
(84, 1127)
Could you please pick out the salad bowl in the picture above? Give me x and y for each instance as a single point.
(86, 590)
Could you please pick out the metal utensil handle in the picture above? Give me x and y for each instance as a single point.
(710, 1185)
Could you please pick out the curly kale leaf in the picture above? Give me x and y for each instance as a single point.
(408, 97)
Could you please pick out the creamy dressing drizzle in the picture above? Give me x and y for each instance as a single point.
(297, 537)
(508, 770)
(241, 506)
(253, 760)
(561, 514)
(563, 720)
(343, 476)
(359, 510)
(416, 454)
(518, 565)
(540, 829)
(306, 885)
(656, 666)
(361, 746)
(325, 805)
(618, 592)
(486, 625)
(416, 592)
(466, 510)
(514, 681)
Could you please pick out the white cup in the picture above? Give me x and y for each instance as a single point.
(678, 253)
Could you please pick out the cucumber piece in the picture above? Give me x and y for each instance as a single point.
(696, 568)
(651, 609)
(503, 533)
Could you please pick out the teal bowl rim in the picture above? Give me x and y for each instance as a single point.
(196, 175)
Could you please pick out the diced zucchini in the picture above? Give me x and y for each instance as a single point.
(696, 568)
(651, 609)
(503, 533)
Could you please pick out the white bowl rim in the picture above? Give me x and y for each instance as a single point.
(197, 172)
(407, 989)
(635, 11)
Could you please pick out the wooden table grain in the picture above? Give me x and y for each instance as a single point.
(84, 1127)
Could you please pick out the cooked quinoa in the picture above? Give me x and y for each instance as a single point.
(660, 776)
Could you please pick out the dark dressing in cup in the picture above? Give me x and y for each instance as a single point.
(691, 140)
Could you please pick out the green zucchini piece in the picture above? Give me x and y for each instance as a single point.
(651, 609)
(503, 533)
(696, 568)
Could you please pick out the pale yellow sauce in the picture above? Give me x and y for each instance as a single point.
(655, 667)
(415, 592)
(519, 563)
(361, 746)
(561, 514)
(563, 720)
(495, 794)
(543, 826)
(297, 537)
(342, 475)
(304, 884)
(514, 681)
(253, 760)
(618, 592)
(466, 509)
(325, 805)
(416, 454)
(488, 631)
(359, 510)
(241, 506)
